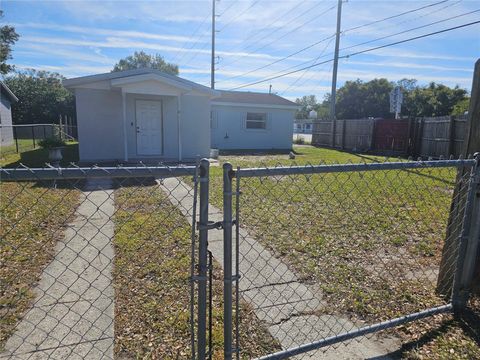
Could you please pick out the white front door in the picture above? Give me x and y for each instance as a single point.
(149, 127)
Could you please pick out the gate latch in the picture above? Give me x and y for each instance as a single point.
(212, 225)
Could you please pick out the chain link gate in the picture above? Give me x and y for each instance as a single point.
(125, 261)
(328, 256)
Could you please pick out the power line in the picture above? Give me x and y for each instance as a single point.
(269, 25)
(192, 36)
(306, 71)
(278, 38)
(283, 58)
(358, 53)
(394, 16)
(366, 42)
(364, 25)
(238, 15)
(412, 29)
(201, 36)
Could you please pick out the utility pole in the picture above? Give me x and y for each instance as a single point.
(335, 61)
(334, 74)
(212, 71)
(270, 89)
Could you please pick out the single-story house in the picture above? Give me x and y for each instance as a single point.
(252, 121)
(7, 98)
(145, 114)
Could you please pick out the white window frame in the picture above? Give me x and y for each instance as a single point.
(265, 121)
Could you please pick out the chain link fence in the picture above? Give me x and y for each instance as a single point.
(96, 263)
(327, 256)
(177, 262)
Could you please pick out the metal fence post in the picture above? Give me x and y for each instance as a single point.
(468, 240)
(227, 260)
(15, 136)
(33, 136)
(203, 260)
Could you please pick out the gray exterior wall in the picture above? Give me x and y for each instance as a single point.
(229, 131)
(195, 123)
(100, 126)
(99, 123)
(6, 130)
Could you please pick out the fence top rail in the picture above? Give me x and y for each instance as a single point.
(322, 169)
(32, 125)
(53, 173)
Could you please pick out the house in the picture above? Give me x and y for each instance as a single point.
(148, 115)
(7, 98)
(303, 126)
(252, 121)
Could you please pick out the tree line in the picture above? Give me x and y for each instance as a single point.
(42, 98)
(359, 99)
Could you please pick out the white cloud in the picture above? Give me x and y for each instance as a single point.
(108, 32)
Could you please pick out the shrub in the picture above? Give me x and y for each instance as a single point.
(50, 143)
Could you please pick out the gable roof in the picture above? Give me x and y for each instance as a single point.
(5, 90)
(146, 72)
(248, 97)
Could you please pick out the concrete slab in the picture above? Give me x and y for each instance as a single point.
(73, 313)
(287, 307)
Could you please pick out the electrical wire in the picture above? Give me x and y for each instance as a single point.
(359, 52)
(363, 43)
(394, 16)
(283, 35)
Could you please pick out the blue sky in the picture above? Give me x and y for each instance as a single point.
(78, 38)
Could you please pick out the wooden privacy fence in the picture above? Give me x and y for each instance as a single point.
(426, 137)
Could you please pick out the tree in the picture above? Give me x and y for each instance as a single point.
(42, 97)
(141, 60)
(358, 99)
(8, 37)
(461, 107)
(432, 100)
(307, 103)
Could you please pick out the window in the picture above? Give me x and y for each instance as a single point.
(256, 121)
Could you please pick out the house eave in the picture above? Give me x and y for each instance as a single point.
(250, 105)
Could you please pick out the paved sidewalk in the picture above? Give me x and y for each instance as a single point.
(284, 304)
(72, 317)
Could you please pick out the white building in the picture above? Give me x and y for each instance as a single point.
(147, 115)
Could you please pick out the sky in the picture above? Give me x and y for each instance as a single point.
(255, 40)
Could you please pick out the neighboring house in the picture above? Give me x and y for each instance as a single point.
(7, 98)
(146, 114)
(252, 121)
(303, 126)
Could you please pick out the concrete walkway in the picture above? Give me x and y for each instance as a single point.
(72, 317)
(285, 305)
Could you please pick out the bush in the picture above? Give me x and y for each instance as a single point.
(50, 143)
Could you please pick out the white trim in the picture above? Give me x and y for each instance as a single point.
(260, 106)
(125, 141)
(147, 77)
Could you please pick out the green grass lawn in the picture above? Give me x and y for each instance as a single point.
(151, 279)
(371, 241)
(35, 157)
(32, 220)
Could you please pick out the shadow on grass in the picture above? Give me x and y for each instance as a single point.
(39, 157)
